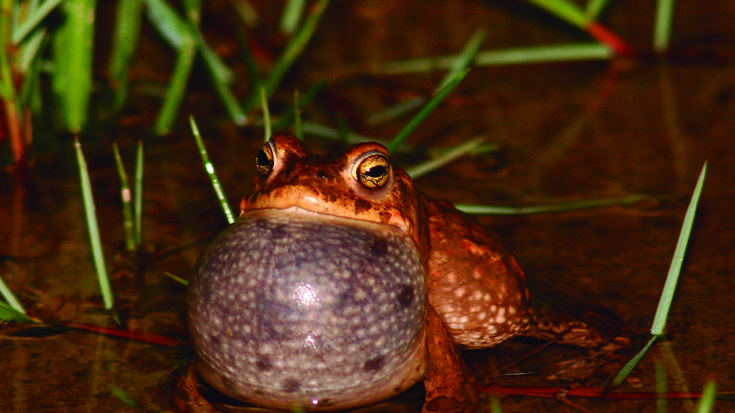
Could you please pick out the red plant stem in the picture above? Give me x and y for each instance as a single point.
(15, 134)
(137, 335)
(589, 392)
(601, 33)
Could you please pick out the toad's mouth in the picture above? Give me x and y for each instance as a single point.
(324, 215)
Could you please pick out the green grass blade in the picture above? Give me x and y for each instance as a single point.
(564, 10)
(247, 13)
(30, 50)
(538, 209)
(462, 62)
(176, 278)
(127, 32)
(433, 103)
(445, 158)
(33, 20)
(222, 87)
(544, 54)
(662, 26)
(594, 8)
(266, 114)
(75, 55)
(167, 22)
(672, 278)
(630, 365)
(126, 197)
(396, 110)
(182, 35)
(94, 232)
(138, 195)
(288, 118)
(179, 34)
(525, 55)
(667, 294)
(464, 59)
(211, 172)
(7, 82)
(177, 87)
(10, 297)
(292, 15)
(8, 313)
(292, 51)
(709, 393)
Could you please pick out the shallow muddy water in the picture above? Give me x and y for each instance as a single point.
(568, 131)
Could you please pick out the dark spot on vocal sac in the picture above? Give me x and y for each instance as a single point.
(278, 231)
(291, 385)
(405, 296)
(374, 363)
(322, 174)
(261, 223)
(379, 248)
(263, 363)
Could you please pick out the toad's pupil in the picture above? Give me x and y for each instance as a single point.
(376, 171)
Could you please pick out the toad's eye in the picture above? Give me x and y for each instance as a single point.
(264, 160)
(372, 170)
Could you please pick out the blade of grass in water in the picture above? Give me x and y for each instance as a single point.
(433, 103)
(445, 158)
(10, 297)
(292, 51)
(11, 106)
(662, 27)
(176, 278)
(630, 365)
(288, 118)
(8, 313)
(565, 10)
(537, 209)
(462, 62)
(211, 172)
(138, 196)
(176, 30)
(266, 114)
(94, 232)
(527, 55)
(707, 402)
(221, 77)
(667, 294)
(128, 223)
(74, 53)
(573, 14)
(184, 35)
(127, 31)
(594, 8)
(464, 59)
(33, 19)
(292, 15)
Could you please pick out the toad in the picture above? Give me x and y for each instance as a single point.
(341, 284)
